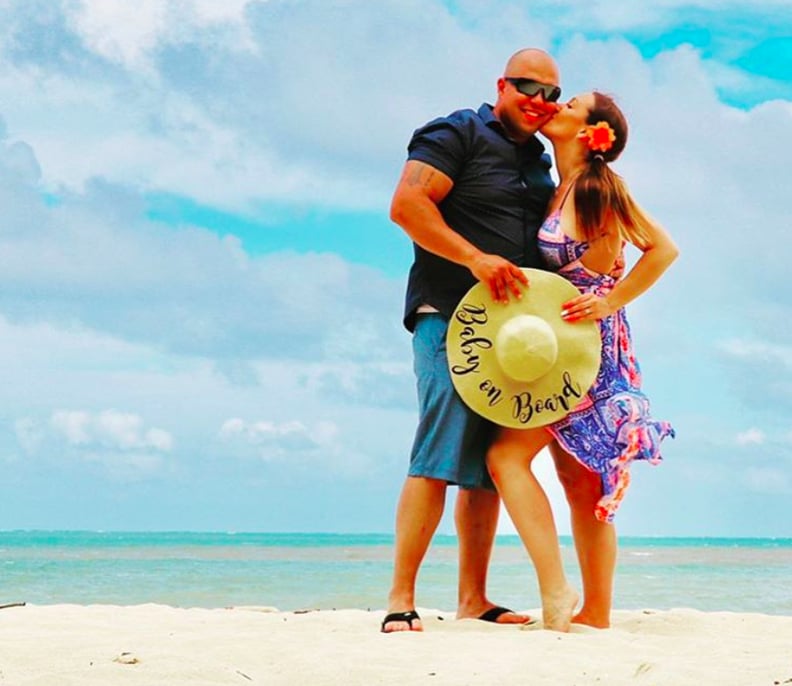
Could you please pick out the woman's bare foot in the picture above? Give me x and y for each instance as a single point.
(591, 619)
(557, 609)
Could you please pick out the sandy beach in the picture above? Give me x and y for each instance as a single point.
(157, 645)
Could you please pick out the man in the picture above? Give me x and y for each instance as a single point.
(471, 197)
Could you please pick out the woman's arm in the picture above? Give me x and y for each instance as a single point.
(659, 251)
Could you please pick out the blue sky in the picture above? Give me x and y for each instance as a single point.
(200, 289)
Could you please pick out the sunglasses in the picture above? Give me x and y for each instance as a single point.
(531, 88)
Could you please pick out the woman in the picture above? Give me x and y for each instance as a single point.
(590, 218)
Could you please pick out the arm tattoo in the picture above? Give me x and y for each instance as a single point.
(420, 176)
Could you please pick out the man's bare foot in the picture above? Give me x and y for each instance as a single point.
(401, 621)
(557, 609)
(590, 619)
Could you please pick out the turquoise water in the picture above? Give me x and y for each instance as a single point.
(304, 571)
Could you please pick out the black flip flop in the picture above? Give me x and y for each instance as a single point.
(493, 613)
(408, 617)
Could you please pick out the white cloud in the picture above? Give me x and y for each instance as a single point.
(751, 437)
(120, 31)
(128, 33)
(183, 108)
(94, 259)
(109, 428)
(301, 448)
(85, 370)
(120, 443)
(285, 440)
(73, 425)
(388, 384)
(179, 107)
(127, 465)
(763, 351)
(28, 434)
(768, 480)
(761, 370)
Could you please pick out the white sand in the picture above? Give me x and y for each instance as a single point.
(158, 645)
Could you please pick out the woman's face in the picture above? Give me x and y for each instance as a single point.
(571, 119)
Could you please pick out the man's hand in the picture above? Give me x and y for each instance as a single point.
(501, 276)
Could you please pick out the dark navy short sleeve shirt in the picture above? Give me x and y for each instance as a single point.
(498, 201)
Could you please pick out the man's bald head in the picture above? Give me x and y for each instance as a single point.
(533, 63)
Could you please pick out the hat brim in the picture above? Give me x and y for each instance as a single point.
(487, 389)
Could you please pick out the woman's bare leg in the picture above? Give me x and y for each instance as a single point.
(509, 461)
(595, 541)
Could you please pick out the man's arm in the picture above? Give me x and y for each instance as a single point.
(415, 208)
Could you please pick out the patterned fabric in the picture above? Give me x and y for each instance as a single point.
(612, 426)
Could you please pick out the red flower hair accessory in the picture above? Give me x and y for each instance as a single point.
(599, 136)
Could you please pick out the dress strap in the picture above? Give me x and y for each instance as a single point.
(566, 193)
(564, 197)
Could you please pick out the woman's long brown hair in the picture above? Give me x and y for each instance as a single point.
(601, 197)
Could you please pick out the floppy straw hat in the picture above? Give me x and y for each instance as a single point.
(520, 364)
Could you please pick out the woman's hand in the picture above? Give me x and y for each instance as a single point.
(586, 308)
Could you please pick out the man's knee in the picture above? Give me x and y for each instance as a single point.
(477, 498)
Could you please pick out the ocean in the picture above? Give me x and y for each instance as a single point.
(326, 571)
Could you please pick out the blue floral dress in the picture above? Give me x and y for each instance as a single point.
(612, 426)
